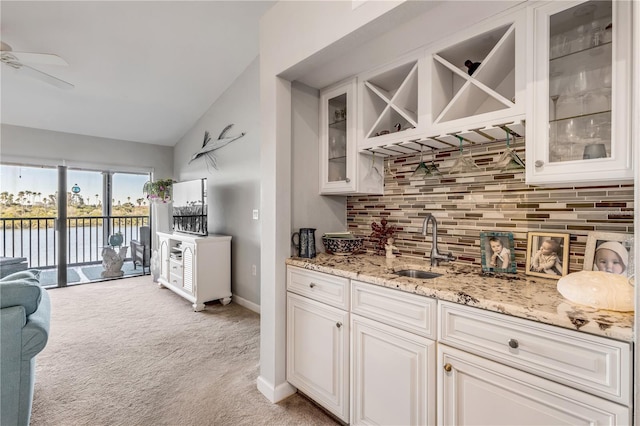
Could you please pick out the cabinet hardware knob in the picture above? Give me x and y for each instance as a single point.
(347, 180)
(338, 324)
(447, 367)
(513, 343)
(312, 285)
(539, 163)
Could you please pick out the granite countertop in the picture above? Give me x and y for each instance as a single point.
(519, 295)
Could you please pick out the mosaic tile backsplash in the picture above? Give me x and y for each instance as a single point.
(486, 199)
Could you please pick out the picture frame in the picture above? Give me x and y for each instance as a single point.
(498, 254)
(617, 252)
(547, 254)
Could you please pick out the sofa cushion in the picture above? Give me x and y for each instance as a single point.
(21, 291)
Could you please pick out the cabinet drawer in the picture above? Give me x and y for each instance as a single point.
(594, 364)
(175, 268)
(410, 312)
(318, 286)
(175, 280)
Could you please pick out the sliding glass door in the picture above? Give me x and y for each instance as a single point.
(67, 237)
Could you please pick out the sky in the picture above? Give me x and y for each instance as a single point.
(14, 179)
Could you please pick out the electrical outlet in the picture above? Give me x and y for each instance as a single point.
(256, 214)
(253, 270)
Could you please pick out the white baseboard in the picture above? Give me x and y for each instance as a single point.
(275, 394)
(246, 304)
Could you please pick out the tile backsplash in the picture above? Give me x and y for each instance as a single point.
(486, 200)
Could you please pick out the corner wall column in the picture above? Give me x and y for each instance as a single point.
(275, 200)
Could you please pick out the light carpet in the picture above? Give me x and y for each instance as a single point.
(126, 352)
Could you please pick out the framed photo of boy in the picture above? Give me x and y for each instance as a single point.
(497, 250)
(547, 254)
(607, 251)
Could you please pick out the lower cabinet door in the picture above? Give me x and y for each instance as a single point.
(317, 353)
(164, 258)
(476, 391)
(393, 376)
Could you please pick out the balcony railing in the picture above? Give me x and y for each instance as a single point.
(35, 237)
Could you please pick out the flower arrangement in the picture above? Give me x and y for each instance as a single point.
(380, 234)
(158, 191)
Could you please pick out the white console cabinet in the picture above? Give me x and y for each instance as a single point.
(196, 268)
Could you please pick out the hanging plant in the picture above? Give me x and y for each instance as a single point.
(158, 191)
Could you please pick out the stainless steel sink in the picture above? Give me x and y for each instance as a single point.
(416, 273)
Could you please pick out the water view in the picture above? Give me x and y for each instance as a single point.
(99, 204)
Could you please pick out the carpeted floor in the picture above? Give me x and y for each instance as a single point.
(125, 352)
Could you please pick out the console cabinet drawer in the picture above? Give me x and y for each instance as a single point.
(410, 312)
(594, 364)
(319, 286)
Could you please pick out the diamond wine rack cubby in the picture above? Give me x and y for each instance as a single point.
(432, 99)
(462, 94)
(390, 107)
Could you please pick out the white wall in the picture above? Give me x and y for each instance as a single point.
(234, 188)
(44, 147)
(308, 208)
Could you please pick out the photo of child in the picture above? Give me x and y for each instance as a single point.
(609, 252)
(547, 254)
(611, 256)
(546, 258)
(501, 255)
(497, 252)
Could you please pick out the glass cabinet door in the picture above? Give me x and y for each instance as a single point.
(580, 80)
(578, 117)
(337, 139)
(337, 131)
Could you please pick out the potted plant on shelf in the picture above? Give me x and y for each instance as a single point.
(158, 191)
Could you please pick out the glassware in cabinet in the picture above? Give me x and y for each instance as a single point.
(578, 120)
(343, 170)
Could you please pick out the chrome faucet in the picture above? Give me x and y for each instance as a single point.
(436, 256)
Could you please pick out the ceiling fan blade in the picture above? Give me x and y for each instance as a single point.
(47, 78)
(39, 58)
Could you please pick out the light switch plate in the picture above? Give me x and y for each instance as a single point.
(256, 214)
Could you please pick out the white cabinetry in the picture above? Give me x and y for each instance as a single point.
(578, 98)
(476, 391)
(533, 372)
(318, 338)
(196, 268)
(367, 354)
(392, 369)
(342, 169)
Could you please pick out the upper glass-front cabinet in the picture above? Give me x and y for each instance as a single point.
(578, 116)
(342, 169)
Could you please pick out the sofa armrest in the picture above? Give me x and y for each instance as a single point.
(36, 332)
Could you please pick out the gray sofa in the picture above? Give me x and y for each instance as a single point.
(10, 265)
(25, 311)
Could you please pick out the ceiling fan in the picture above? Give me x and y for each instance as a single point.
(19, 61)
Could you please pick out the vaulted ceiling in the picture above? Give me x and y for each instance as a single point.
(142, 71)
